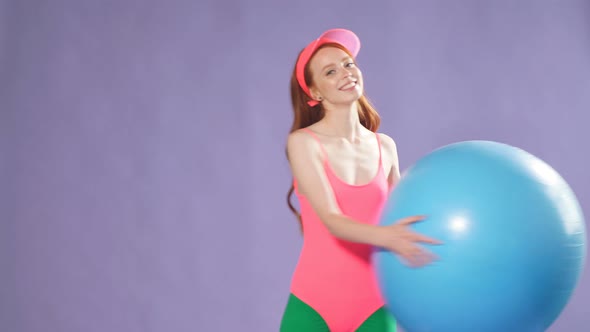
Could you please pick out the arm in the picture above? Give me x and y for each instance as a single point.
(306, 165)
(305, 159)
(408, 251)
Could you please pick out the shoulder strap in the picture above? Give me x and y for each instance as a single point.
(309, 131)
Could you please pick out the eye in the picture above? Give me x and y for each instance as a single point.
(330, 72)
(350, 64)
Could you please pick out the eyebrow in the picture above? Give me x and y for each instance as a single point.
(331, 64)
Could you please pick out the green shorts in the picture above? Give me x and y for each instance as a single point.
(299, 317)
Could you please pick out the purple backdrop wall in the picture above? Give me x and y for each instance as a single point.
(143, 169)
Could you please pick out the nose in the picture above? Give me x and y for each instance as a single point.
(347, 72)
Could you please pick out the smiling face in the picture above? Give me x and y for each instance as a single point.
(335, 77)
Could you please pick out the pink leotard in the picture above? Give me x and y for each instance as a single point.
(333, 276)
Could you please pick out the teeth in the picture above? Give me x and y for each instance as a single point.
(349, 85)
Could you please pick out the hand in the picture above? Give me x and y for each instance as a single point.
(399, 239)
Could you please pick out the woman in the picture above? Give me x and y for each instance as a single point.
(343, 172)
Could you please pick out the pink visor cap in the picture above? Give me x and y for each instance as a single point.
(343, 37)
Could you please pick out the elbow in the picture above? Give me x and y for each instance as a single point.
(331, 222)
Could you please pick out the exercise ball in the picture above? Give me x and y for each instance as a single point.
(513, 242)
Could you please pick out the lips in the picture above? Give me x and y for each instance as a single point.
(348, 86)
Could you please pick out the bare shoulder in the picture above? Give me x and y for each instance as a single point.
(300, 143)
(388, 144)
(298, 137)
(389, 147)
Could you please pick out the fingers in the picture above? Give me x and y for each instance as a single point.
(415, 262)
(418, 258)
(418, 237)
(425, 239)
(410, 220)
(414, 255)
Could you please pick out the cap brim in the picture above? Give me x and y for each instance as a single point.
(344, 37)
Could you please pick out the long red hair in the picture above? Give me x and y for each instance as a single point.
(305, 115)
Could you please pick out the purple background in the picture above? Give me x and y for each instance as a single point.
(143, 171)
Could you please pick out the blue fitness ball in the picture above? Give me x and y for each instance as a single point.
(514, 242)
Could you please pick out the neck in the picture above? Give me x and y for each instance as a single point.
(343, 121)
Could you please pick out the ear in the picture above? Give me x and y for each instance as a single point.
(315, 94)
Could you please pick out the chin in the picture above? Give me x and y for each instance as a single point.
(355, 98)
(349, 101)
(358, 94)
(350, 98)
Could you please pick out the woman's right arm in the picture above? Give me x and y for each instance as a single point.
(305, 158)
